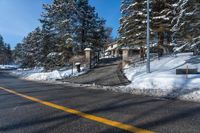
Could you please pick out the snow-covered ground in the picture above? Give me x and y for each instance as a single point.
(163, 81)
(7, 67)
(38, 74)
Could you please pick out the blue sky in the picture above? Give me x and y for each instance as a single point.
(19, 17)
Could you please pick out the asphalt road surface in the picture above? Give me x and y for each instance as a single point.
(106, 73)
(31, 107)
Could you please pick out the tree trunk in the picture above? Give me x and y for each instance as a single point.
(142, 53)
(169, 39)
(161, 38)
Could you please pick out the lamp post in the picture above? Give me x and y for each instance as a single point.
(148, 41)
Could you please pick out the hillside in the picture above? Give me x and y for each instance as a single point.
(163, 76)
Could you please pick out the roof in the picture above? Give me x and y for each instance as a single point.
(114, 46)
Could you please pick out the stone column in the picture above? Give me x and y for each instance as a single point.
(112, 52)
(125, 56)
(88, 57)
(116, 53)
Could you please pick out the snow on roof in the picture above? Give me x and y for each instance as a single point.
(77, 63)
(131, 47)
(112, 47)
(88, 49)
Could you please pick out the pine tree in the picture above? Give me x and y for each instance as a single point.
(61, 19)
(32, 49)
(91, 26)
(163, 14)
(49, 46)
(102, 34)
(76, 21)
(123, 21)
(18, 54)
(5, 52)
(133, 23)
(68, 26)
(49, 38)
(8, 53)
(187, 22)
(2, 50)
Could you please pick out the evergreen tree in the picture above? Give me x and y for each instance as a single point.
(88, 24)
(5, 52)
(49, 38)
(18, 54)
(102, 34)
(123, 21)
(32, 49)
(133, 23)
(163, 14)
(50, 46)
(8, 53)
(187, 22)
(2, 51)
(61, 19)
(68, 26)
(76, 21)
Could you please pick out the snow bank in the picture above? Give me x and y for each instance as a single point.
(44, 76)
(163, 81)
(38, 74)
(8, 67)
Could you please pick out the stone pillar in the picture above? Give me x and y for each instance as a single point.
(112, 53)
(116, 53)
(88, 57)
(125, 56)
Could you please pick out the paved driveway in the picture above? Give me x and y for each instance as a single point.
(106, 73)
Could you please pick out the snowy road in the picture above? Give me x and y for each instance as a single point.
(20, 114)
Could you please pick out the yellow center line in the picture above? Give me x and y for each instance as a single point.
(105, 121)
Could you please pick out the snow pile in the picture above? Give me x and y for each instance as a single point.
(27, 72)
(38, 74)
(45, 76)
(163, 81)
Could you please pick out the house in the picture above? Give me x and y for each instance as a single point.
(113, 49)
